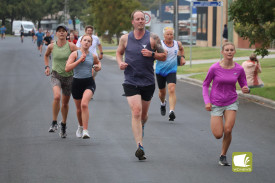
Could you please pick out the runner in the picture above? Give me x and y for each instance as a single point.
(166, 72)
(33, 35)
(83, 88)
(96, 43)
(139, 47)
(39, 38)
(76, 35)
(3, 32)
(60, 79)
(47, 39)
(222, 102)
(22, 34)
(72, 38)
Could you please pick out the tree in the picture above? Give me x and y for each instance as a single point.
(254, 20)
(11, 9)
(75, 9)
(53, 6)
(112, 16)
(33, 10)
(152, 4)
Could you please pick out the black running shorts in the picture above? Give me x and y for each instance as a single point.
(80, 85)
(39, 43)
(146, 92)
(170, 78)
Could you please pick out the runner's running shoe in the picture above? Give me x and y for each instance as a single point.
(223, 161)
(140, 154)
(85, 134)
(79, 132)
(172, 116)
(63, 128)
(163, 109)
(53, 126)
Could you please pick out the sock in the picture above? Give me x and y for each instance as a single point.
(164, 103)
(171, 111)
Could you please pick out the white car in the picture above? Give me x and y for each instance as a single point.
(28, 26)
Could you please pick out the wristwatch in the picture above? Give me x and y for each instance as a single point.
(101, 53)
(47, 66)
(153, 54)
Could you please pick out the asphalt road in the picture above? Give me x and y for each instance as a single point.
(180, 151)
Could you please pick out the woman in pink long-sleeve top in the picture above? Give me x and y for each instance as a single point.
(222, 102)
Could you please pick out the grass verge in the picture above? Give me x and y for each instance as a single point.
(267, 75)
(199, 53)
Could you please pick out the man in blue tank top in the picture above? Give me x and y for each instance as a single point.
(141, 48)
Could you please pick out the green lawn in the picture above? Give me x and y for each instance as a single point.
(110, 52)
(104, 43)
(267, 75)
(199, 53)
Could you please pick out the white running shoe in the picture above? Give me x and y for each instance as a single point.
(79, 132)
(85, 134)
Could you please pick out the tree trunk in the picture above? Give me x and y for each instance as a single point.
(73, 23)
(110, 41)
(117, 38)
(11, 26)
(3, 21)
(39, 24)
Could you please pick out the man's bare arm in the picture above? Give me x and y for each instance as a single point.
(100, 56)
(161, 54)
(120, 52)
(181, 53)
(181, 49)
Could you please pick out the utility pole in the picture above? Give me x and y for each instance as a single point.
(65, 12)
(159, 9)
(176, 23)
(191, 31)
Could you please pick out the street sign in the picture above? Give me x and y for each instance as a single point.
(207, 3)
(147, 18)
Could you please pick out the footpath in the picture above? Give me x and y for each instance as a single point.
(186, 78)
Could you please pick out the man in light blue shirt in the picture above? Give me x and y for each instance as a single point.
(39, 37)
